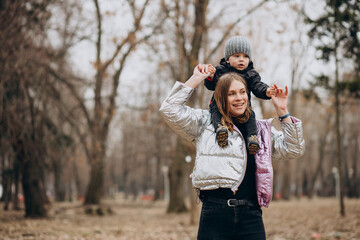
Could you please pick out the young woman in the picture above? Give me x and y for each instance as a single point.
(233, 184)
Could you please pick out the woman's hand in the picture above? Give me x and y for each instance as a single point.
(280, 101)
(201, 71)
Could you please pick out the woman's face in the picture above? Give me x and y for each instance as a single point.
(237, 98)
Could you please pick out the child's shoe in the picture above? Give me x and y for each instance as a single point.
(253, 144)
(222, 136)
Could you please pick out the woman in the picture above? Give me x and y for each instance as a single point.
(233, 184)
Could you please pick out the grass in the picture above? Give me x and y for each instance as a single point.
(284, 220)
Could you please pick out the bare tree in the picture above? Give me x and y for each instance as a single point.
(22, 25)
(99, 117)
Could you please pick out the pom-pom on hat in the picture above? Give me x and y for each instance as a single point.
(237, 44)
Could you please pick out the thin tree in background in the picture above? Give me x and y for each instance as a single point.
(336, 34)
(299, 63)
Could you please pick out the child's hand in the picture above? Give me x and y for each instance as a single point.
(271, 91)
(212, 70)
(206, 69)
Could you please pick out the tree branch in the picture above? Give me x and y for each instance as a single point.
(232, 26)
(73, 91)
(116, 76)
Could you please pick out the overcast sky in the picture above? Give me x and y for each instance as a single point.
(271, 30)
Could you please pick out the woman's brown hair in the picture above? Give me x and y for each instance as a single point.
(221, 96)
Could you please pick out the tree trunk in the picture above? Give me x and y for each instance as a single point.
(95, 188)
(322, 145)
(32, 178)
(354, 185)
(33, 191)
(7, 182)
(338, 135)
(2, 157)
(158, 161)
(339, 152)
(286, 180)
(75, 171)
(158, 178)
(194, 201)
(177, 180)
(16, 176)
(300, 175)
(59, 183)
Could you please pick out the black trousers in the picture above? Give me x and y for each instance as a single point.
(221, 222)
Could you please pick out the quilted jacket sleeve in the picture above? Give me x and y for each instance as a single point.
(185, 121)
(288, 143)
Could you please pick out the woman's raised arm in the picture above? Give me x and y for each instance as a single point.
(185, 121)
(280, 101)
(288, 143)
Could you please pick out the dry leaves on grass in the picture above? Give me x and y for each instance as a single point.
(293, 220)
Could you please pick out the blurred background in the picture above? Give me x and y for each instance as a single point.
(81, 82)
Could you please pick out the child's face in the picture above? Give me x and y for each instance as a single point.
(240, 61)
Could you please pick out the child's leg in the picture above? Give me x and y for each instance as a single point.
(250, 134)
(215, 114)
(250, 126)
(221, 131)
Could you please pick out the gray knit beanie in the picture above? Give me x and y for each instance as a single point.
(237, 44)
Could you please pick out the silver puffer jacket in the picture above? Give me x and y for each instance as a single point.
(217, 167)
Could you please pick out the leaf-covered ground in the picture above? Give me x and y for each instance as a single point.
(292, 220)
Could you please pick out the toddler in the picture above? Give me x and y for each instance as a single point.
(238, 59)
